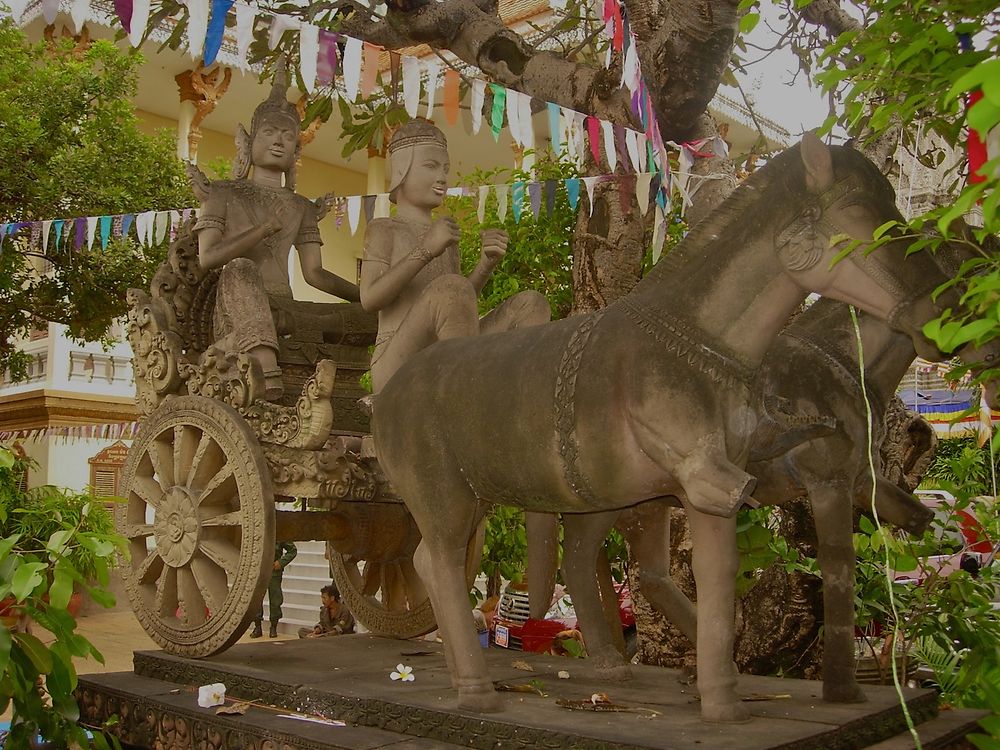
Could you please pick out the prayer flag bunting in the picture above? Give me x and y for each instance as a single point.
(245, 17)
(517, 200)
(353, 212)
(369, 201)
(140, 19)
(593, 131)
(79, 10)
(535, 193)
(216, 29)
(369, 73)
(433, 76)
(610, 153)
(451, 96)
(326, 63)
(496, 116)
(411, 85)
(123, 9)
(589, 183)
(555, 135)
(352, 67)
(105, 225)
(309, 55)
(198, 26)
(573, 191)
(484, 191)
(501, 191)
(279, 25)
(550, 196)
(478, 98)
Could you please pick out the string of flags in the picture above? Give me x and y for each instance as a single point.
(151, 228)
(116, 431)
(324, 54)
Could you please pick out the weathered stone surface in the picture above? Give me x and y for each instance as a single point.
(347, 678)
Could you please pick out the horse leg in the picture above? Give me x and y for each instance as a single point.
(713, 483)
(584, 533)
(715, 565)
(542, 532)
(831, 505)
(440, 561)
(647, 530)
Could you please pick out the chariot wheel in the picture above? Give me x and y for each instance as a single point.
(199, 519)
(379, 583)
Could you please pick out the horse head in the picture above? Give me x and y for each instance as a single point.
(846, 198)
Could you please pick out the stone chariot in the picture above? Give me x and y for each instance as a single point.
(212, 458)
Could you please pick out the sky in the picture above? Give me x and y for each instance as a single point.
(797, 107)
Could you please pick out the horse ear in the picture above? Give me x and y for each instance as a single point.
(818, 162)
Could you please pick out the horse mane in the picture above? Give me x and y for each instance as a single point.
(738, 213)
(777, 187)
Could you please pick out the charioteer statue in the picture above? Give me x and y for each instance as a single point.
(248, 226)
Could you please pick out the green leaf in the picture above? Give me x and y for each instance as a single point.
(5, 644)
(57, 542)
(26, 578)
(61, 589)
(749, 22)
(36, 651)
(6, 458)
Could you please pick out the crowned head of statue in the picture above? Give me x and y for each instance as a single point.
(418, 164)
(272, 145)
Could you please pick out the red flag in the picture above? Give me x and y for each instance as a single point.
(976, 144)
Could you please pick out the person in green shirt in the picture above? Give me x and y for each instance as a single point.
(284, 553)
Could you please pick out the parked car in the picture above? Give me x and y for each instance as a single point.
(514, 629)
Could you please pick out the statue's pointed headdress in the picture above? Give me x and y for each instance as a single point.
(276, 105)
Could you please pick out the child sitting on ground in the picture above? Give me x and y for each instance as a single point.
(334, 616)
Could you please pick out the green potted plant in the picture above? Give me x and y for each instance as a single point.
(52, 541)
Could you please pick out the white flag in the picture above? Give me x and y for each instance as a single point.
(411, 85)
(501, 191)
(91, 230)
(308, 52)
(140, 18)
(478, 97)
(353, 211)
(610, 152)
(484, 191)
(590, 182)
(197, 26)
(245, 15)
(433, 76)
(78, 12)
(352, 67)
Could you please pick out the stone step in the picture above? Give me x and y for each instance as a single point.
(947, 731)
(348, 677)
(156, 713)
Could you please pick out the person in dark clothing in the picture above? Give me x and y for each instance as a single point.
(334, 616)
(284, 553)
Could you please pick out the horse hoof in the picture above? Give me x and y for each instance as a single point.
(851, 693)
(480, 701)
(725, 713)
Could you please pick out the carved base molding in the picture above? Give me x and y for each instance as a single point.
(346, 678)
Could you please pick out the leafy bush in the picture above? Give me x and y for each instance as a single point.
(51, 541)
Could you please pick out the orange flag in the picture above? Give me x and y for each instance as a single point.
(451, 96)
(369, 69)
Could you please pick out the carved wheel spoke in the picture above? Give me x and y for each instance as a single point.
(233, 518)
(200, 520)
(386, 595)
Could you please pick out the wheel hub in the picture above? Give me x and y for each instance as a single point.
(176, 528)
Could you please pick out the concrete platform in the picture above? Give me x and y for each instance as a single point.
(347, 678)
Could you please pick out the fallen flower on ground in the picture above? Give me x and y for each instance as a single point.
(211, 695)
(403, 673)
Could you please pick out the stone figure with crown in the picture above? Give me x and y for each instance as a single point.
(248, 226)
(411, 274)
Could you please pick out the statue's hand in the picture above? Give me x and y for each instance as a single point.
(494, 245)
(442, 234)
(271, 226)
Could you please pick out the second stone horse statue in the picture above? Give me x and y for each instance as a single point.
(647, 398)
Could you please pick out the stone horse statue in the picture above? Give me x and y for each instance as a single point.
(648, 398)
(814, 366)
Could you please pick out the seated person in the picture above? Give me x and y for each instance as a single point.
(334, 616)
(410, 273)
(248, 226)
